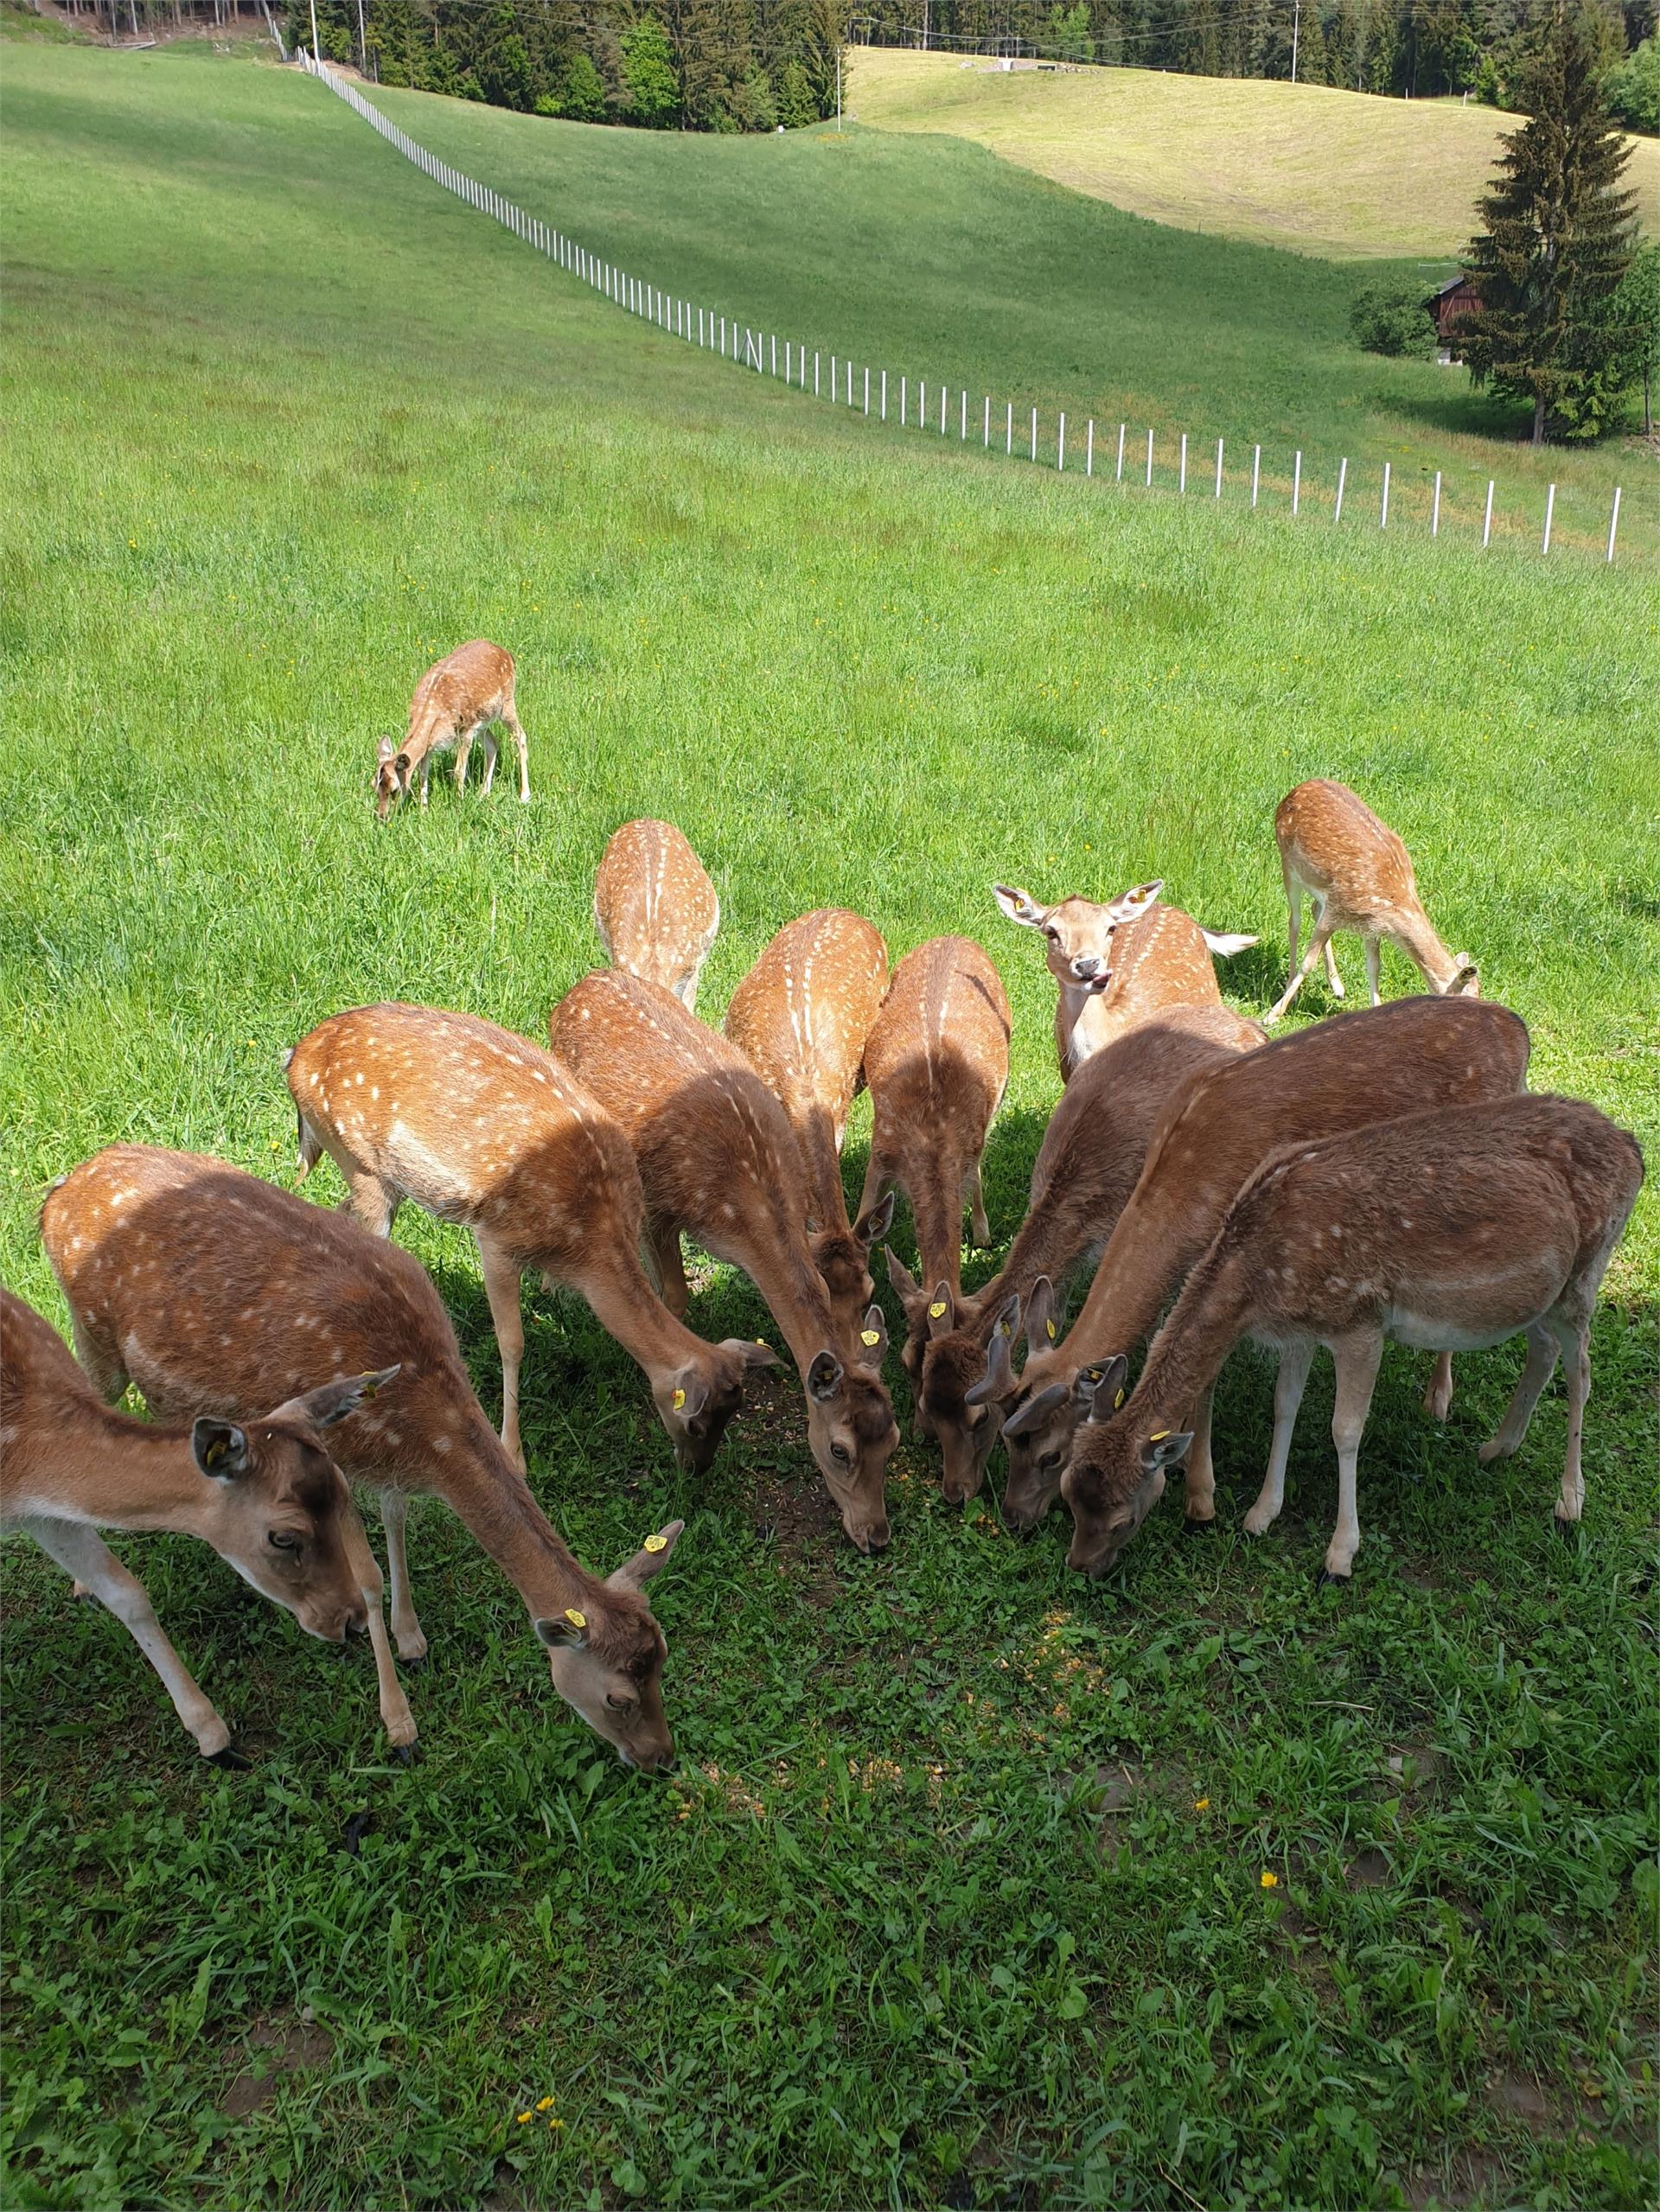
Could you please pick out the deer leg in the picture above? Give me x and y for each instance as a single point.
(1575, 1340)
(426, 776)
(83, 1555)
(371, 1203)
(978, 1227)
(1358, 1359)
(491, 749)
(663, 1237)
(1437, 1397)
(1295, 1360)
(1294, 914)
(1542, 1358)
(102, 1362)
(521, 748)
(1375, 969)
(406, 1630)
(395, 1715)
(1331, 975)
(1200, 1468)
(501, 1287)
(877, 1179)
(1316, 945)
(463, 754)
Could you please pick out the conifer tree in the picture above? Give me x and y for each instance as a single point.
(1558, 238)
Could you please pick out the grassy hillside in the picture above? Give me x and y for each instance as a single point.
(1336, 173)
(958, 1897)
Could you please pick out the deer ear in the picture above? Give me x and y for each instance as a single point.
(1041, 1331)
(1020, 906)
(403, 767)
(1036, 1410)
(1467, 983)
(1137, 900)
(1166, 1449)
(872, 1340)
(688, 1395)
(941, 1313)
(334, 1400)
(1100, 1388)
(650, 1559)
(220, 1449)
(824, 1375)
(383, 751)
(998, 1382)
(902, 1280)
(875, 1225)
(751, 1350)
(566, 1631)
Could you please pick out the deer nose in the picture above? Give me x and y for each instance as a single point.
(1087, 966)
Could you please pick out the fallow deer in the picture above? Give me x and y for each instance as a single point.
(718, 1158)
(483, 1128)
(1450, 1230)
(655, 909)
(1091, 1156)
(207, 1287)
(801, 1016)
(1117, 963)
(459, 696)
(937, 1064)
(265, 1494)
(1332, 846)
(1217, 1129)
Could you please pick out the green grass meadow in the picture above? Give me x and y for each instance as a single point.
(958, 1897)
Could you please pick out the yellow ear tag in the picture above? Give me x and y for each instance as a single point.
(870, 1337)
(577, 1619)
(935, 1311)
(1159, 1436)
(762, 1342)
(1050, 1327)
(678, 1400)
(1118, 1400)
(653, 1544)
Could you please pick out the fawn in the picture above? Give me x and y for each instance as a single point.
(458, 696)
(655, 909)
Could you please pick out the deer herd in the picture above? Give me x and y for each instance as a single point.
(1384, 1175)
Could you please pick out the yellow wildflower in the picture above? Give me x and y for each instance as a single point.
(1270, 1881)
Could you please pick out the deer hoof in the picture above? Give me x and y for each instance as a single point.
(1565, 1528)
(356, 1828)
(1340, 1582)
(229, 1760)
(1194, 1527)
(405, 1754)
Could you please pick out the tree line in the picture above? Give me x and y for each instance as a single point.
(692, 65)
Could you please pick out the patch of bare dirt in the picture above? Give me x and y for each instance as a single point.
(1467, 2177)
(282, 2047)
(1368, 1870)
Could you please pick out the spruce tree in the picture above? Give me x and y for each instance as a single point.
(1558, 238)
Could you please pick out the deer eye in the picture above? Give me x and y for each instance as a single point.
(1053, 935)
(840, 1454)
(1049, 1462)
(620, 1704)
(283, 1539)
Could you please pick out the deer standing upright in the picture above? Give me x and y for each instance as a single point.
(460, 695)
(937, 1064)
(1116, 964)
(484, 1128)
(1332, 846)
(265, 1496)
(207, 1287)
(1216, 1131)
(1092, 1154)
(1450, 1230)
(718, 1158)
(655, 909)
(801, 1016)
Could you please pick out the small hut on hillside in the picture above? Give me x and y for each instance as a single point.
(1457, 301)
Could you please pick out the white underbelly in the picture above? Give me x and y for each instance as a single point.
(1429, 1333)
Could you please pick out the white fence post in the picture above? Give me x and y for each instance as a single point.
(1297, 481)
(1008, 430)
(832, 377)
(1613, 523)
(1256, 471)
(1060, 445)
(1034, 433)
(1183, 479)
(1149, 459)
(942, 401)
(1090, 448)
(1435, 508)
(774, 355)
(1218, 468)
(962, 435)
(1487, 520)
(1342, 478)
(903, 382)
(867, 391)
(884, 395)
(1121, 429)
(1383, 512)
(986, 440)
(922, 403)
(1550, 509)
(815, 376)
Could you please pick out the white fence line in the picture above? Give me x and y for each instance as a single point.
(675, 316)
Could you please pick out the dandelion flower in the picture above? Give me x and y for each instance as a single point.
(1200, 1804)
(1269, 1881)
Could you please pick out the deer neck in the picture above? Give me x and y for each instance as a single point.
(1145, 1251)
(933, 1189)
(827, 1199)
(1070, 1040)
(428, 729)
(781, 1267)
(492, 1500)
(1185, 1358)
(159, 1484)
(626, 1308)
(1412, 930)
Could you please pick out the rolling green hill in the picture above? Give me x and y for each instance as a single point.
(1338, 175)
(958, 1897)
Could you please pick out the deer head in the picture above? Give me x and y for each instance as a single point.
(842, 1257)
(1078, 933)
(850, 1432)
(697, 1400)
(606, 1658)
(392, 770)
(279, 1504)
(1116, 1474)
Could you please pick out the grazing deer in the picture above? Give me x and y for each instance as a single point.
(1217, 1129)
(483, 1128)
(265, 1496)
(207, 1287)
(1450, 1230)
(655, 909)
(937, 1064)
(1116, 964)
(1091, 1156)
(458, 696)
(1332, 846)
(801, 1016)
(718, 1158)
